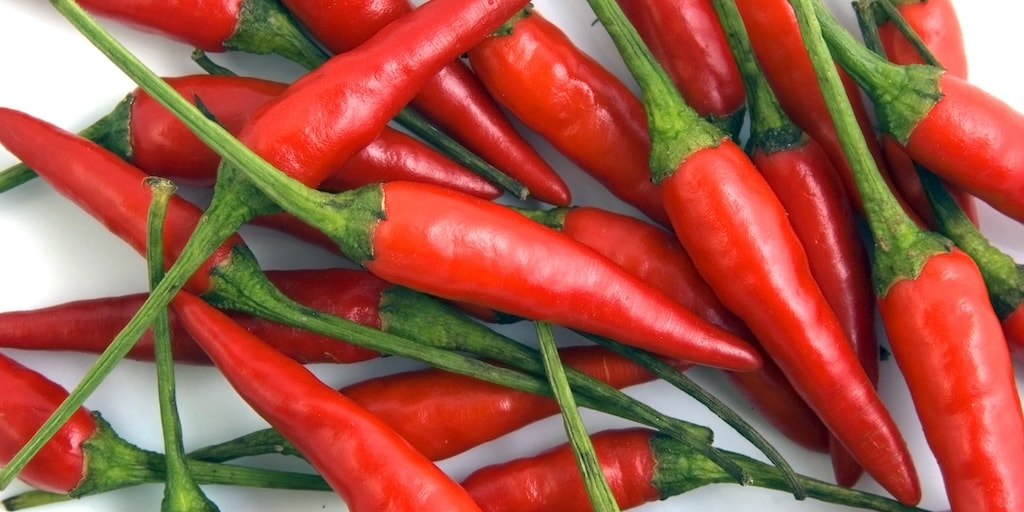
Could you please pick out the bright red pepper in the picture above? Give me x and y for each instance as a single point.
(466, 249)
(688, 41)
(443, 414)
(740, 239)
(453, 99)
(780, 51)
(574, 102)
(938, 27)
(339, 438)
(936, 312)
(807, 185)
(146, 134)
(641, 466)
(654, 255)
(86, 456)
(949, 126)
(215, 25)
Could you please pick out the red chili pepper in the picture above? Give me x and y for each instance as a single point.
(935, 308)
(688, 41)
(255, 26)
(145, 133)
(807, 185)
(949, 126)
(780, 52)
(740, 239)
(641, 466)
(443, 414)
(466, 249)
(936, 24)
(1004, 277)
(654, 255)
(27, 400)
(532, 68)
(453, 99)
(89, 325)
(86, 456)
(338, 438)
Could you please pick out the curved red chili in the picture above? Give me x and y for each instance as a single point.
(740, 238)
(807, 185)
(466, 249)
(654, 255)
(146, 134)
(215, 25)
(454, 99)
(688, 41)
(641, 466)
(338, 438)
(783, 59)
(532, 68)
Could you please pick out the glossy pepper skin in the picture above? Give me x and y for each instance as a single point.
(780, 51)
(443, 414)
(688, 41)
(764, 277)
(940, 323)
(532, 68)
(654, 255)
(146, 134)
(454, 99)
(339, 438)
(89, 325)
(73, 165)
(205, 24)
(936, 23)
(28, 399)
(466, 249)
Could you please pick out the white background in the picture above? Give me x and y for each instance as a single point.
(50, 252)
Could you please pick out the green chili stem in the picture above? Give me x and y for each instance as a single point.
(677, 131)
(202, 59)
(600, 494)
(902, 247)
(180, 492)
(770, 128)
(669, 374)
(908, 32)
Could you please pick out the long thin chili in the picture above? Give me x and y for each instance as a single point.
(740, 238)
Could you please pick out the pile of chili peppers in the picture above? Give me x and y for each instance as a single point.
(576, 163)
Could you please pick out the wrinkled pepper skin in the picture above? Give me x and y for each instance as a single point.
(763, 276)
(587, 113)
(28, 399)
(689, 43)
(454, 99)
(940, 324)
(338, 437)
(465, 249)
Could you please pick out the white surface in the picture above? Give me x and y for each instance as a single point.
(52, 253)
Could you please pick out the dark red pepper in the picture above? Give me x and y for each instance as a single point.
(453, 99)
(689, 43)
(338, 438)
(532, 68)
